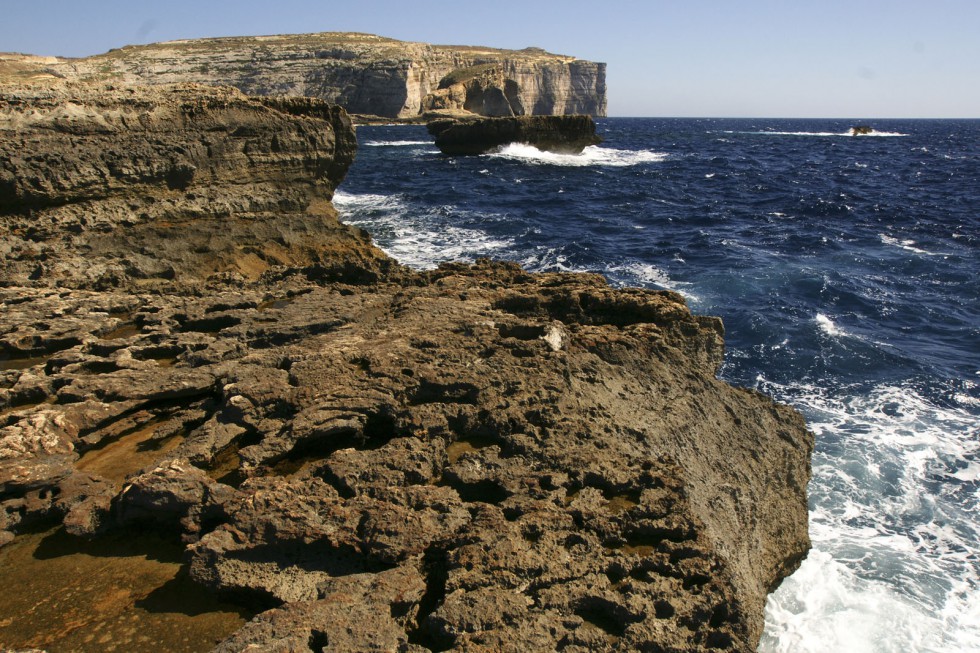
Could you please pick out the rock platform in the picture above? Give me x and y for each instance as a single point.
(366, 457)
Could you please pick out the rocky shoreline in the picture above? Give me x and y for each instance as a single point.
(365, 457)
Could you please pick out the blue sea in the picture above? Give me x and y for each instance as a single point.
(847, 271)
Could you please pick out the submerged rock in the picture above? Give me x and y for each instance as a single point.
(559, 134)
(470, 458)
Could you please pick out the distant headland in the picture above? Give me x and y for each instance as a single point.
(365, 74)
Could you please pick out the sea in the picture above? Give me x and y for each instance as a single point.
(847, 271)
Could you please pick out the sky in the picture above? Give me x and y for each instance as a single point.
(720, 58)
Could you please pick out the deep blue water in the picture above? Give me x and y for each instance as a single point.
(847, 271)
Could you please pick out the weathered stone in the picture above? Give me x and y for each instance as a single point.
(471, 458)
(560, 134)
(112, 185)
(363, 612)
(363, 73)
(175, 496)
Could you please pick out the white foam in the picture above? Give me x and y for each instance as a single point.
(551, 259)
(418, 238)
(349, 203)
(645, 274)
(907, 244)
(895, 524)
(396, 143)
(593, 155)
(822, 134)
(426, 247)
(828, 327)
(824, 607)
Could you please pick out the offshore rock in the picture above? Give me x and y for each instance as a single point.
(363, 73)
(559, 134)
(470, 458)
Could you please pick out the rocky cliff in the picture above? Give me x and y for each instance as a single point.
(362, 456)
(366, 74)
(144, 185)
(560, 134)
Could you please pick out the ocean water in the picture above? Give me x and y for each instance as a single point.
(847, 271)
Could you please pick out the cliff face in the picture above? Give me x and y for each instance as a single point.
(104, 184)
(365, 74)
(472, 458)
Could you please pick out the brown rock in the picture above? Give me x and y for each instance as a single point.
(364, 73)
(472, 458)
(561, 134)
(112, 185)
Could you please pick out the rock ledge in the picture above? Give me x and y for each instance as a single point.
(473, 458)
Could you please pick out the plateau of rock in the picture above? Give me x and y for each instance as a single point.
(559, 134)
(365, 74)
(194, 350)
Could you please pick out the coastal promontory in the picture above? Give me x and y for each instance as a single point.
(558, 134)
(227, 417)
(363, 73)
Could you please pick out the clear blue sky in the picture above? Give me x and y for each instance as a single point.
(829, 58)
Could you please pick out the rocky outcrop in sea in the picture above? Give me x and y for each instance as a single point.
(195, 352)
(365, 74)
(558, 134)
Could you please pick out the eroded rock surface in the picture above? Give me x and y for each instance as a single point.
(365, 74)
(104, 185)
(472, 458)
(559, 134)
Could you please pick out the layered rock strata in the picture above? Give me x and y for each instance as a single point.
(366, 74)
(559, 134)
(104, 185)
(473, 458)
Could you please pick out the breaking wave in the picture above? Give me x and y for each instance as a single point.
(895, 564)
(593, 155)
(820, 134)
(396, 143)
(419, 238)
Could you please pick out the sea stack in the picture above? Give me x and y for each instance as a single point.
(365, 457)
(558, 134)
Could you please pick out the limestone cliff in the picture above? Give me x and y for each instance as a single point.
(364, 457)
(366, 74)
(101, 184)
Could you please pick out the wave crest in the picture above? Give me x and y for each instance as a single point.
(819, 134)
(593, 155)
(894, 487)
(396, 143)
